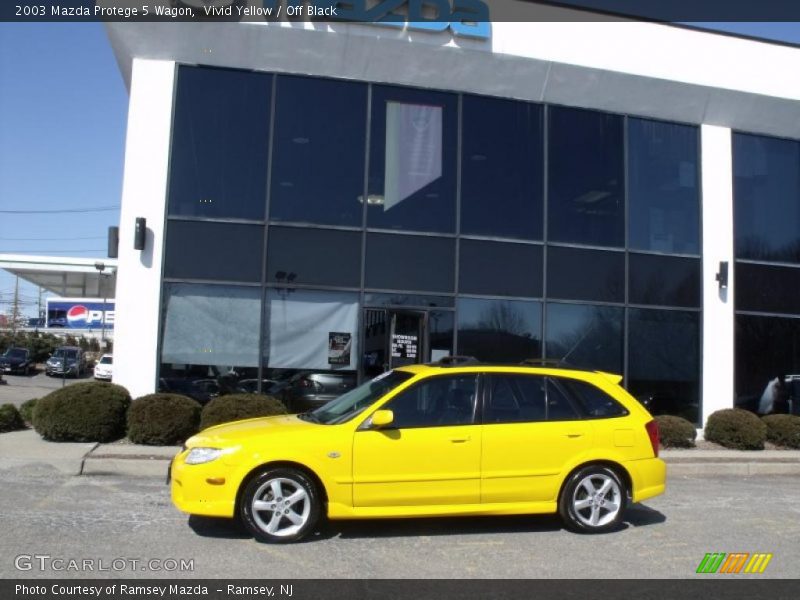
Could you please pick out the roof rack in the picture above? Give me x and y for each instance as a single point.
(456, 361)
(552, 363)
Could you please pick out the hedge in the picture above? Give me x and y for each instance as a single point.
(676, 432)
(736, 428)
(162, 419)
(83, 412)
(10, 419)
(235, 407)
(26, 410)
(783, 430)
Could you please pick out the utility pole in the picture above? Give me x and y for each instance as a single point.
(15, 310)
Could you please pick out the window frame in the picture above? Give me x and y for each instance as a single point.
(488, 390)
(477, 417)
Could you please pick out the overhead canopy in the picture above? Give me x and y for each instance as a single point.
(68, 277)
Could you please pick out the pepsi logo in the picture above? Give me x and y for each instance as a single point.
(77, 314)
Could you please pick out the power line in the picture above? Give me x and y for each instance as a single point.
(59, 211)
(63, 239)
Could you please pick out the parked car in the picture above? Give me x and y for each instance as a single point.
(66, 361)
(104, 368)
(308, 389)
(16, 360)
(201, 390)
(432, 440)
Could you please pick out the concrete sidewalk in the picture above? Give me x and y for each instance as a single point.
(27, 447)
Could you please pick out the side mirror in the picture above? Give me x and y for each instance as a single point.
(382, 418)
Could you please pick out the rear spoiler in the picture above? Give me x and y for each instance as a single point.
(612, 377)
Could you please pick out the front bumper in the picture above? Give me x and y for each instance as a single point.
(192, 493)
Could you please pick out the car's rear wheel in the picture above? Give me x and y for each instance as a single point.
(593, 500)
(280, 505)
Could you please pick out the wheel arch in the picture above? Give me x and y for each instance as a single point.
(278, 464)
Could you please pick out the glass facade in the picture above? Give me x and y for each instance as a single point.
(766, 189)
(351, 213)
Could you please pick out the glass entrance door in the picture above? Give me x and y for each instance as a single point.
(393, 338)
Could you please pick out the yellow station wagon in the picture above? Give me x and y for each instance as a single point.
(432, 440)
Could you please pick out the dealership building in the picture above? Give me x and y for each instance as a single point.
(622, 196)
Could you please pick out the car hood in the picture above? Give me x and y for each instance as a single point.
(250, 430)
(11, 360)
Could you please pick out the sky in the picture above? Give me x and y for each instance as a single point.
(63, 110)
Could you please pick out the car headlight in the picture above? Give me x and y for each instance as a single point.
(198, 456)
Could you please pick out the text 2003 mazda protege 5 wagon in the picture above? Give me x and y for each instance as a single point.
(429, 440)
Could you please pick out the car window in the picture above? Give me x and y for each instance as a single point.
(593, 402)
(435, 402)
(515, 399)
(559, 407)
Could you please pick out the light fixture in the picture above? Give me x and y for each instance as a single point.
(140, 233)
(722, 274)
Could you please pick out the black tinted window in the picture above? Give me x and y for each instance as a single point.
(220, 143)
(593, 401)
(664, 280)
(586, 201)
(501, 181)
(215, 251)
(503, 331)
(766, 194)
(294, 255)
(500, 269)
(559, 408)
(435, 402)
(664, 213)
(590, 336)
(318, 151)
(767, 288)
(412, 166)
(409, 262)
(515, 399)
(575, 274)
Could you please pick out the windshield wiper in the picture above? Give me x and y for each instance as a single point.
(309, 416)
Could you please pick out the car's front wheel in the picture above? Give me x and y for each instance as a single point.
(280, 505)
(593, 500)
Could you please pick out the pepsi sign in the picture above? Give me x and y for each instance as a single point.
(80, 314)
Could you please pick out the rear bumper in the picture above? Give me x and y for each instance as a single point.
(649, 477)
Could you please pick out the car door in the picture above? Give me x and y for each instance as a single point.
(429, 455)
(531, 431)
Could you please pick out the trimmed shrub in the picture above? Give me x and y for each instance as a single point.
(162, 419)
(783, 430)
(235, 407)
(26, 410)
(736, 428)
(10, 419)
(676, 432)
(83, 412)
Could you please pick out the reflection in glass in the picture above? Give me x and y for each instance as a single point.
(209, 340)
(587, 195)
(501, 269)
(664, 280)
(662, 187)
(318, 151)
(294, 255)
(766, 188)
(589, 337)
(664, 361)
(503, 331)
(220, 140)
(502, 168)
(576, 274)
(214, 251)
(402, 299)
(410, 262)
(767, 348)
(412, 160)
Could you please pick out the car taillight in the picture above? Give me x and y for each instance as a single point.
(652, 431)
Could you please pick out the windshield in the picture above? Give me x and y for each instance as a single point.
(106, 360)
(65, 353)
(15, 353)
(353, 402)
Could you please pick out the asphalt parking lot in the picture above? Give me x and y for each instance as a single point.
(104, 518)
(16, 389)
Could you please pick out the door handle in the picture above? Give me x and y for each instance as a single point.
(460, 440)
(574, 435)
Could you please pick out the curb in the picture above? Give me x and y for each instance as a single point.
(742, 469)
(152, 466)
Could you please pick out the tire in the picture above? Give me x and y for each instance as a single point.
(593, 500)
(294, 491)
